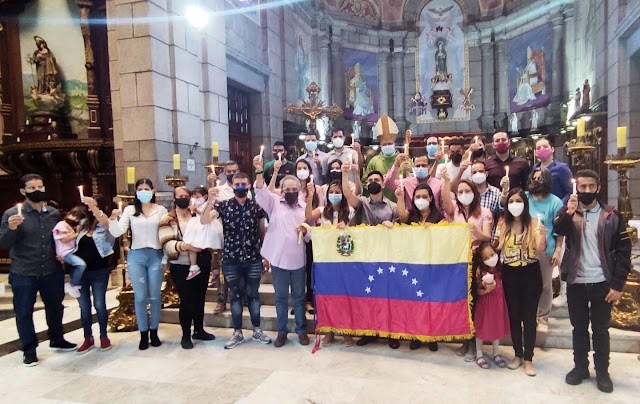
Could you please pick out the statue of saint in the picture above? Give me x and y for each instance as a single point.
(586, 98)
(302, 69)
(534, 119)
(356, 127)
(514, 123)
(527, 79)
(441, 62)
(577, 96)
(46, 69)
(360, 97)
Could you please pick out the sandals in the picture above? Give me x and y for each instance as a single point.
(499, 360)
(482, 363)
(348, 340)
(328, 339)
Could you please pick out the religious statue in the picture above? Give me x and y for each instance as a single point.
(586, 98)
(441, 60)
(571, 109)
(418, 104)
(358, 94)
(577, 98)
(356, 128)
(302, 68)
(45, 94)
(534, 119)
(514, 123)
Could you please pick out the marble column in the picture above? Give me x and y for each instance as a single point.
(557, 63)
(384, 59)
(570, 51)
(325, 69)
(399, 109)
(337, 70)
(486, 50)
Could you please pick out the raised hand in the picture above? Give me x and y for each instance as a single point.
(257, 163)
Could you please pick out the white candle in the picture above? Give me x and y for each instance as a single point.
(507, 170)
(539, 219)
(81, 188)
(335, 217)
(446, 158)
(217, 183)
(280, 156)
(311, 178)
(401, 184)
(476, 140)
(19, 209)
(352, 139)
(261, 150)
(120, 206)
(193, 201)
(406, 149)
(49, 137)
(442, 143)
(575, 186)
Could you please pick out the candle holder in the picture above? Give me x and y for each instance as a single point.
(625, 311)
(176, 180)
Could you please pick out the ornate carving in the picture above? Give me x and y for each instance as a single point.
(359, 8)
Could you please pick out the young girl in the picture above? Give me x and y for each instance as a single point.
(335, 174)
(521, 239)
(198, 235)
(64, 235)
(491, 319)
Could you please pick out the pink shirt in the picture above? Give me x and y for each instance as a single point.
(410, 184)
(458, 217)
(62, 230)
(280, 246)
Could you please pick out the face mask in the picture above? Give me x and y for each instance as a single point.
(72, 223)
(478, 153)
(491, 262)
(240, 191)
(456, 158)
(432, 149)
(516, 208)
(501, 147)
(230, 179)
(145, 196)
(335, 198)
(544, 154)
(182, 203)
(374, 188)
(36, 196)
(199, 201)
(388, 150)
(311, 145)
(421, 172)
(421, 204)
(479, 178)
(587, 198)
(338, 142)
(465, 199)
(335, 175)
(291, 197)
(536, 187)
(302, 174)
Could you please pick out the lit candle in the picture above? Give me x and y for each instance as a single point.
(18, 139)
(280, 156)
(406, 149)
(120, 206)
(214, 150)
(217, 183)
(193, 201)
(176, 161)
(311, 178)
(581, 128)
(575, 186)
(539, 219)
(506, 168)
(442, 144)
(131, 175)
(622, 137)
(401, 184)
(19, 209)
(476, 140)
(446, 158)
(49, 137)
(261, 150)
(81, 189)
(352, 139)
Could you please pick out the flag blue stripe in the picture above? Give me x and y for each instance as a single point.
(443, 283)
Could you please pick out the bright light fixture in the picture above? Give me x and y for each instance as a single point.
(197, 16)
(586, 118)
(301, 136)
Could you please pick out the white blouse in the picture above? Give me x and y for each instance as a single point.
(144, 229)
(325, 222)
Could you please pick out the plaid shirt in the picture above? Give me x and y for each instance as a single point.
(490, 199)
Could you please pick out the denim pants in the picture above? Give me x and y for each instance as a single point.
(586, 301)
(146, 275)
(94, 282)
(78, 267)
(282, 279)
(25, 289)
(244, 278)
(192, 293)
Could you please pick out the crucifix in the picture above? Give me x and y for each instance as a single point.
(314, 109)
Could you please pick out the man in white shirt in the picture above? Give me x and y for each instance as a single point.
(456, 168)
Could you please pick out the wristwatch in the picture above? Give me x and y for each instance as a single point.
(259, 172)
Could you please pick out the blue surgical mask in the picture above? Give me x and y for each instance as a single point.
(144, 196)
(421, 172)
(335, 198)
(388, 150)
(311, 145)
(432, 149)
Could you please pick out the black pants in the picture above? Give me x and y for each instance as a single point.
(192, 293)
(522, 290)
(309, 267)
(586, 301)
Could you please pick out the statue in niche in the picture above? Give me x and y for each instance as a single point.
(358, 94)
(302, 69)
(514, 123)
(441, 60)
(586, 97)
(356, 127)
(45, 94)
(577, 97)
(534, 120)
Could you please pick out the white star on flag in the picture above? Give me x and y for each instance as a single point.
(419, 293)
(367, 289)
(370, 278)
(392, 269)
(414, 281)
(405, 272)
(380, 270)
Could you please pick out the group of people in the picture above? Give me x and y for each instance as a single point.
(516, 216)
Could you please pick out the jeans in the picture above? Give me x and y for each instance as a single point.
(192, 293)
(244, 278)
(522, 289)
(282, 279)
(78, 267)
(146, 275)
(586, 301)
(25, 289)
(544, 305)
(97, 280)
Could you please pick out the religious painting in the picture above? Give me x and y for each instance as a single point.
(392, 10)
(303, 76)
(361, 83)
(490, 5)
(529, 70)
(54, 77)
(442, 66)
(359, 8)
(248, 8)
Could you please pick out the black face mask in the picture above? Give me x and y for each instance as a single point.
(587, 198)
(72, 223)
(183, 203)
(335, 175)
(240, 191)
(36, 196)
(536, 187)
(374, 188)
(456, 158)
(291, 197)
(478, 153)
(230, 179)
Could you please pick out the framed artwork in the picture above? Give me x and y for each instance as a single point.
(530, 70)
(361, 84)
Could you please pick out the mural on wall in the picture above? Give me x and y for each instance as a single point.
(359, 8)
(442, 67)
(529, 70)
(303, 76)
(392, 10)
(361, 83)
(54, 78)
(490, 5)
(249, 8)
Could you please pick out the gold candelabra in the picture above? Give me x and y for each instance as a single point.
(176, 180)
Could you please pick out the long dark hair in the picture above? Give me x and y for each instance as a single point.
(136, 202)
(547, 181)
(478, 263)
(91, 222)
(509, 220)
(414, 213)
(343, 206)
(474, 209)
(174, 213)
(315, 201)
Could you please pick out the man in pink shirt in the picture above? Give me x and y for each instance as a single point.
(421, 172)
(283, 250)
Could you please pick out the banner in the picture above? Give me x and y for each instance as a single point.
(408, 282)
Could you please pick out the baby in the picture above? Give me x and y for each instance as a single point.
(64, 235)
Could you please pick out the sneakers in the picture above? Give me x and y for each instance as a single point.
(30, 359)
(576, 376)
(543, 327)
(261, 337)
(62, 346)
(604, 382)
(73, 291)
(560, 301)
(105, 344)
(194, 271)
(86, 346)
(202, 335)
(236, 339)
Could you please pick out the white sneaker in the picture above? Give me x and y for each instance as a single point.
(73, 291)
(236, 339)
(559, 301)
(543, 327)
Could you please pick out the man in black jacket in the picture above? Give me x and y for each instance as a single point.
(595, 266)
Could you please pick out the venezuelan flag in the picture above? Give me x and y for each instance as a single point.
(407, 282)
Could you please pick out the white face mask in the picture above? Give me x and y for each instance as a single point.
(338, 142)
(479, 178)
(465, 199)
(516, 208)
(491, 262)
(303, 174)
(421, 204)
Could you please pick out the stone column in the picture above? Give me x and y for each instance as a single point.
(486, 50)
(384, 58)
(93, 104)
(337, 70)
(325, 69)
(502, 82)
(557, 63)
(570, 52)
(399, 109)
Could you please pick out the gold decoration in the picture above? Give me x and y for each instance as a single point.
(314, 108)
(123, 317)
(386, 129)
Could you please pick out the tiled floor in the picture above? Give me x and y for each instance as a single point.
(255, 373)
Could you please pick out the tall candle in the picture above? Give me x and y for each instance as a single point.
(352, 139)
(217, 183)
(406, 149)
(581, 128)
(280, 156)
(622, 137)
(506, 168)
(476, 140)
(401, 184)
(261, 150)
(176, 161)
(442, 144)
(575, 186)
(214, 150)
(193, 201)
(19, 209)
(446, 158)
(81, 189)
(131, 175)
(311, 178)
(120, 206)
(539, 219)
